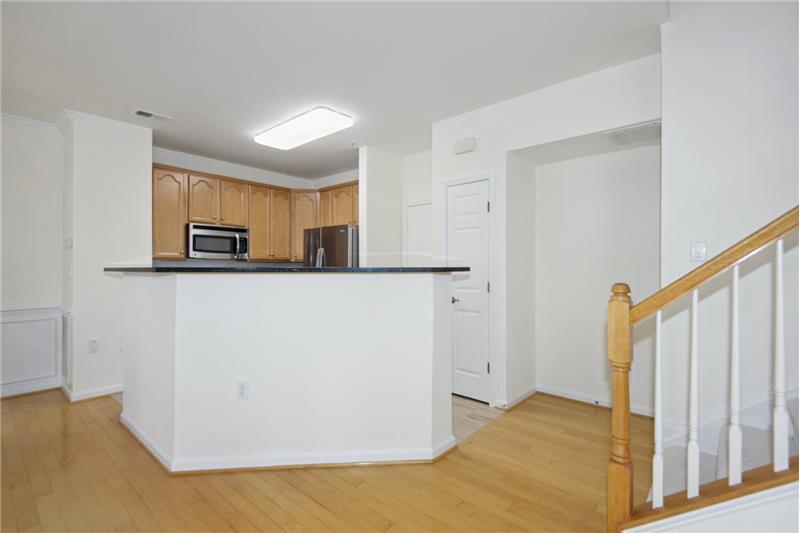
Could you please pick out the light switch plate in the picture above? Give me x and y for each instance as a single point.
(698, 251)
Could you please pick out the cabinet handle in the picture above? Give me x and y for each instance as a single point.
(223, 219)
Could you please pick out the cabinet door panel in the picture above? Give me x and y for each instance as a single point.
(304, 216)
(280, 225)
(341, 206)
(259, 223)
(169, 214)
(233, 204)
(355, 204)
(325, 208)
(204, 199)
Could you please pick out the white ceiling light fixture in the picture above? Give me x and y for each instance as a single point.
(309, 126)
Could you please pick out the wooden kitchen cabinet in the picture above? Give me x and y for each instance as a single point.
(204, 199)
(304, 216)
(233, 203)
(342, 206)
(354, 210)
(259, 223)
(269, 224)
(170, 201)
(325, 208)
(280, 223)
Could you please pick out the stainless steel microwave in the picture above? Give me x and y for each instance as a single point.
(217, 242)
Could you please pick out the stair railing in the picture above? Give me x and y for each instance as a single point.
(623, 316)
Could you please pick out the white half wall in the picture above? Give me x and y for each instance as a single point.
(108, 167)
(596, 224)
(729, 166)
(32, 196)
(231, 170)
(380, 208)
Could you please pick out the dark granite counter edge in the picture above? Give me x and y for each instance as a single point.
(293, 270)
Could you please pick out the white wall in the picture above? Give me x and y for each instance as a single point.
(729, 138)
(621, 95)
(596, 223)
(520, 377)
(334, 179)
(109, 196)
(380, 208)
(415, 171)
(32, 195)
(231, 170)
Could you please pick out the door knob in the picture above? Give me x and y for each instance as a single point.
(453, 300)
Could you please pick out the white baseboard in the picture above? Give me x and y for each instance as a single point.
(158, 453)
(522, 396)
(91, 393)
(585, 398)
(273, 460)
(33, 385)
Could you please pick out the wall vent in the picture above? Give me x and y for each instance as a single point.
(143, 113)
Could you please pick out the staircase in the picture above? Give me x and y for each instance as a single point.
(747, 459)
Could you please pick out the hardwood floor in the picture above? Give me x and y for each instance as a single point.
(539, 467)
(470, 415)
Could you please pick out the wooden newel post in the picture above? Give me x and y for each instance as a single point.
(620, 469)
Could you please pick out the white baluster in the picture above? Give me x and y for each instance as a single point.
(693, 448)
(658, 455)
(780, 417)
(734, 430)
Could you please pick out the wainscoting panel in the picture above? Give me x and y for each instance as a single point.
(31, 350)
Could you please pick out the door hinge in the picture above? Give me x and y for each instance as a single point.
(488, 207)
(488, 286)
(488, 367)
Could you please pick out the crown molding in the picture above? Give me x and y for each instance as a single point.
(19, 120)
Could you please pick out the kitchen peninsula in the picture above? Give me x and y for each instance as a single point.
(263, 366)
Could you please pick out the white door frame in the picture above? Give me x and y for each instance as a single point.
(494, 381)
(406, 206)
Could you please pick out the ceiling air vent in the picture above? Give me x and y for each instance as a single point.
(143, 113)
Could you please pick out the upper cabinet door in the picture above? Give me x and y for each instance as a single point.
(341, 206)
(233, 204)
(355, 204)
(280, 225)
(169, 214)
(304, 216)
(325, 210)
(259, 223)
(204, 199)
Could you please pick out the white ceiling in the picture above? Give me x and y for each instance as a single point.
(226, 71)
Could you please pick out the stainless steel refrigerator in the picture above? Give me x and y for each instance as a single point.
(331, 246)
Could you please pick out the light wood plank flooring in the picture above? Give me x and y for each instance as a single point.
(539, 467)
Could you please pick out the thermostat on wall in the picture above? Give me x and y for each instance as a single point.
(465, 145)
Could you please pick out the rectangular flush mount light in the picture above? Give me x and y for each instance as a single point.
(302, 129)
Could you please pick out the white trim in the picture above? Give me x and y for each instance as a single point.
(685, 521)
(519, 398)
(158, 453)
(498, 369)
(33, 385)
(94, 393)
(36, 383)
(585, 398)
(19, 120)
(270, 460)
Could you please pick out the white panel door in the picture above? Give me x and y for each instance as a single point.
(468, 244)
(418, 235)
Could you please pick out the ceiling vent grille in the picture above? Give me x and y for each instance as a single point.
(150, 115)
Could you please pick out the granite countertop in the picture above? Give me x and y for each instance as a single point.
(238, 267)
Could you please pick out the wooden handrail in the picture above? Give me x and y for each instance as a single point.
(719, 263)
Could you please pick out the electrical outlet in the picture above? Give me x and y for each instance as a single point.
(243, 390)
(94, 345)
(698, 251)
